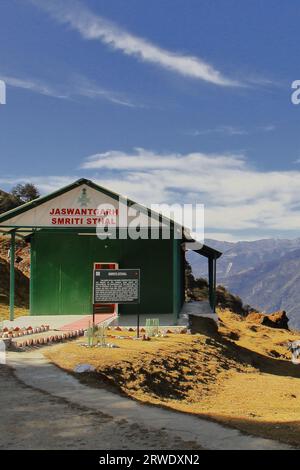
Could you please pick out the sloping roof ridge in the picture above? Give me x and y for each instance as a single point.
(42, 199)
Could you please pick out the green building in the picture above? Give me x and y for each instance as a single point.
(81, 224)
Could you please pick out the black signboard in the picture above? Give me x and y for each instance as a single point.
(116, 286)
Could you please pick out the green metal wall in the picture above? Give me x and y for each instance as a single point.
(62, 263)
(178, 275)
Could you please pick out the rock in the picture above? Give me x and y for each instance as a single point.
(274, 320)
(202, 325)
(279, 318)
(233, 335)
(274, 353)
(81, 368)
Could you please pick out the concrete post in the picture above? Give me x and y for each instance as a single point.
(12, 276)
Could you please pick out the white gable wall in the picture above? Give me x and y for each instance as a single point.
(83, 207)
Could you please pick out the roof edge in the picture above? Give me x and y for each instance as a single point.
(42, 199)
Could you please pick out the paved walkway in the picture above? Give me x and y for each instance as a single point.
(31, 419)
(85, 322)
(199, 309)
(34, 370)
(55, 321)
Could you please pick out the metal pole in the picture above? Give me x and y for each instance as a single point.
(210, 282)
(215, 285)
(93, 304)
(138, 325)
(12, 276)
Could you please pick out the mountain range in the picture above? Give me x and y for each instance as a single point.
(264, 273)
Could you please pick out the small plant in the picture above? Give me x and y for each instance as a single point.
(152, 327)
(97, 335)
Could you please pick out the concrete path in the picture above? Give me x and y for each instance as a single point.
(87, 321)
(55, 321)
(198, 308)
(58, 322)
(32, 419)
(34, 370)
(165, 319)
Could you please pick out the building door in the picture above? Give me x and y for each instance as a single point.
(105, 308)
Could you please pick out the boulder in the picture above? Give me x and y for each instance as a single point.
(82, 368)
(203, 325)
(274, 320)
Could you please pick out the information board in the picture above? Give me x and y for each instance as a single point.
(120, 286)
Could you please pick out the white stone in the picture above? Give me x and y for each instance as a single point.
(81, 368)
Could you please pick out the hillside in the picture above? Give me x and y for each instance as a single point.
(18, 195)
(22, 272)
(246, 365)
(7, 201)
(22, 254)
(264, 273)
(21, 286)
(197, 289)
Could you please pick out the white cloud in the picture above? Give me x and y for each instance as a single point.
(46, 184)
(267, 128)
(33, 85)
(226, 130)
(236, 196)
(230, 130)
(142, 159)
(93, 27)
(78, 87)
(225, 236)
(239, 199)
(82, 86)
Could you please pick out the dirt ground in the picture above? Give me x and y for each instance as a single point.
(242, 376)
(31, 419)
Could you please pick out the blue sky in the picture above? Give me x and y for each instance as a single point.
(165, 101)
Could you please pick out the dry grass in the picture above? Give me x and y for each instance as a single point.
(4, 312)
(242, 377)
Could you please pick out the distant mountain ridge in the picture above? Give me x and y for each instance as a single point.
(264, 273)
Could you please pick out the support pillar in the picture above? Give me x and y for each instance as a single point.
(12, 276)
(212, 282)
(215, 285)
